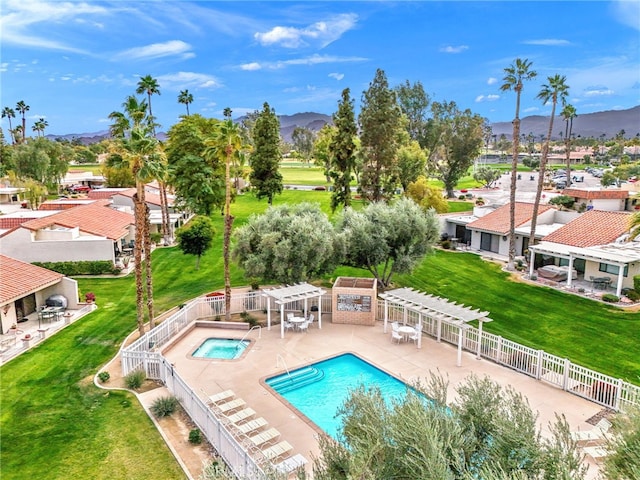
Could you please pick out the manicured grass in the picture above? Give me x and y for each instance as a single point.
(55, 424)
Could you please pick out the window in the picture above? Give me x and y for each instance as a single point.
(613, 269)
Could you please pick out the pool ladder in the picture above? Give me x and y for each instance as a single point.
(248, 332)
(280, 357)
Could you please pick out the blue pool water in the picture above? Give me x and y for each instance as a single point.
(221, 348)
(318, 390)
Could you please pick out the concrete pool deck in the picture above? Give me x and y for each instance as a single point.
(271, 355)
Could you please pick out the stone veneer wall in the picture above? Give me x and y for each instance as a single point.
(354, 301)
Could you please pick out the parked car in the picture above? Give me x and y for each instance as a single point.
(79, 189)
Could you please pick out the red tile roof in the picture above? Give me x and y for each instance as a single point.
(149, 197)
(595, 194)
(498, 220)
(62, 204)
(19, 279)
(7, 223)
(595, 227)
(96, 218)
(104, 192)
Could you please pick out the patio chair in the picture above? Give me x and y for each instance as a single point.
(304, 326)
(222, 396)
(266, 437)
(395, 326)
(415, 337)
(396, 336)
(229, 407)
(290, 464)
(241, 416)
(290, 316)
(594, 435)
(289, 325)
(252, 426)
(311, 319)
(277, 450)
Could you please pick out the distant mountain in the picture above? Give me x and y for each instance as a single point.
(609, 123)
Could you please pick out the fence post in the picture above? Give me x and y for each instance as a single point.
(565, 374)
(616, 402)
(539, 366)
(499, 348)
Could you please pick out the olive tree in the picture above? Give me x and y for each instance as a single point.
(387, 239)
(196, 237)
(288, 244)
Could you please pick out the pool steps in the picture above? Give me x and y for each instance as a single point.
(296, 379)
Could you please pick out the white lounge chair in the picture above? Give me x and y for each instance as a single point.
(222, 396)
(241, 416)
(262, 438)
(277, 450)
(593, 435)
(228, 407)
(290, 464)
(252, 426)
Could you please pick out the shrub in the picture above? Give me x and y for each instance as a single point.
(633, 295)
(610, 297)
(636, 283)
(155, 237)
(446, 244)
(135, 379)
(195, 436)
(97, 267)
(164, 406)
(461, 197)
(90, 297)
(104, 377)
(250, 319)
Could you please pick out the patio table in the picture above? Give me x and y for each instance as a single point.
(406, 331)
(297, 321)
(601, 283)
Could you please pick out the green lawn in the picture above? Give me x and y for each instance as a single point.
(56, 425)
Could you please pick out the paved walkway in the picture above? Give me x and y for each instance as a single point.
(246, 375)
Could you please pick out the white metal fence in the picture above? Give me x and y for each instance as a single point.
(607, 391)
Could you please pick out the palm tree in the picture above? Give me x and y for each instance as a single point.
(149, 85)
(186, 98)
(9, 113)
(515, 74)
(225, 144)
(568, 113)
(557, 89)
(23, 108)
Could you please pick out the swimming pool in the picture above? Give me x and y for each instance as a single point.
(221, 348)
(318, 390)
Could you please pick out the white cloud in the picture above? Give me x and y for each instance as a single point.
(598, 91)
(251, 66)
(627, 13)
(454, 49)
(21, 18)
(487, 98)
(182, 80)
(310, 60)
(548, 42)
(491, 80)
(321, 33)
(3, 66)
(337, 76)
(530, 109)
(157, 50)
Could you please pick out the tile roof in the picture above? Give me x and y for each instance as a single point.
(62, 204)
(149, 197)
(595, 227)
(498, 220)
(97, 219)
(104, 192)
(20, 279)
(10, 222)
(595, 194)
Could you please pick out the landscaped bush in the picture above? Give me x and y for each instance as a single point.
(632, 295)
(164, 406)
(446, 244)
(97, 267)
(250, 319)
(610, 297)
(135, 379)
(195, 436)
(104, 377)
(636, 283)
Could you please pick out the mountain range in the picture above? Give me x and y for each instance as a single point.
(608, 123)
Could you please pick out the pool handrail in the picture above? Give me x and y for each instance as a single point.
(248, 332)
(278, 358)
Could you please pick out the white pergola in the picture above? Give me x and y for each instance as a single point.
(293, 293)
(440, 309)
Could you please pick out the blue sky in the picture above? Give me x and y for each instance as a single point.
(75, 62)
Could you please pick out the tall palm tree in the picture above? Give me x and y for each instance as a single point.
(515, 74)
(149, 85)
(226, 144)
(568, 113)
(556, 90)
(9, 113)
(23, 108)
(186, 98)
